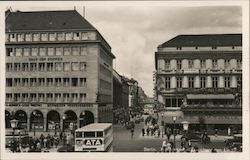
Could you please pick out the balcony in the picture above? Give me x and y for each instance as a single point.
(212, 108)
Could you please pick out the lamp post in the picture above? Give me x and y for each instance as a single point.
(13, 125)
(33, 125)
(162, 124)
(174, 119)
(64, 117)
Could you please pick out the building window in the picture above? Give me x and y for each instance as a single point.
(9, 52)
(77, 36)
(9, 67)
(66, 66)
(36, 37)
(41, 97)
(50, 66)
(34, 52)
(41, 81)
(75, 51)
(26, 52)
(173, 101)
(52, 36)
(178, 48)
(74, 82)
(32, 82)
(203, 82)
(17, 67)
(28, 37)
(214, 47)
(51, 51)
(60, 37)
(25, 67)
(58, 97)
(25, 81)
(66, 97)
(17, 82)
(227, 82)
(49, 81)
(42, 51)
(33, 67)
(227, 63)
(167, 82)
(84, 51)
(179, 65)
(12, 37)
(9, 82)
(44, 37)
(58, 81)
(239, 82)
(66, 81)
(179, 82)
(215, 82)
(190, 63)
(83, 66)
(67, 51)
(33, 97)
(9, 97)
(83, 97)
(74, 97)
(19, 52)
(25, 97)
(191, 82)
(203, 63)
(214, 64)
(167, 64)
(239, 64)
(17, 97)
(75, 66)
(83, 81)
(41, 67)
(20, 37)
(49, 97)
(59, 51)
(68, 36)
(58, 66)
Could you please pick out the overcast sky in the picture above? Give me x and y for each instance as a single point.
(135, 32)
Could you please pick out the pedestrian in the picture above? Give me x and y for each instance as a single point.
(169, 147)
(216, 132)
(147, 131)
(189, 144)
(168, 132)
(61, 135)
(213, 150)
(132, 132)
(143, 131)
(229, 131)
(164, 146)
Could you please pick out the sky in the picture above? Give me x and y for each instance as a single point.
(134, 32)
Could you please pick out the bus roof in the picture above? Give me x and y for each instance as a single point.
(95, 127)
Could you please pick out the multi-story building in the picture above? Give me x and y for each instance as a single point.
(58, 71)
(199, 80)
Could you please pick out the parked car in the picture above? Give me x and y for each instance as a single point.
(196, 137)
(234, 143)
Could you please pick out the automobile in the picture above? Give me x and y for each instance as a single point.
(195, 137)
(234, 143)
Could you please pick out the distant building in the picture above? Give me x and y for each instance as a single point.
(199, 80)
(58, 71)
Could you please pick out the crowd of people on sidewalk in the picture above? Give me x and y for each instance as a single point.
(43, 143)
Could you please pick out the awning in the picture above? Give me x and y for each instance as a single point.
(210, 96)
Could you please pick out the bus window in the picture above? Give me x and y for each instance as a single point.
(89, 134)
(78, 134)
(99, 134)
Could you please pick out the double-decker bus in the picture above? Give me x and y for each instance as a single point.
(94, 137)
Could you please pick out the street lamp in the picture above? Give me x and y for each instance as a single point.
(13, 123)
(162, 124)
(174, 119)
(33, 125)
(64, 117)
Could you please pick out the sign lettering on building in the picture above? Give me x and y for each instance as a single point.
(45, 59)
(193, 70)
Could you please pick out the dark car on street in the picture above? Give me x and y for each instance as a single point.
(196, 137)
(235, 143)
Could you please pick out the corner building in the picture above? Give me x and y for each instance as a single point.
(58, 71)
(199, 81)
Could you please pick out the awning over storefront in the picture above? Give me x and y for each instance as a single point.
(210, 96)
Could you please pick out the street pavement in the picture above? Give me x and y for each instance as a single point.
(124, 143)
